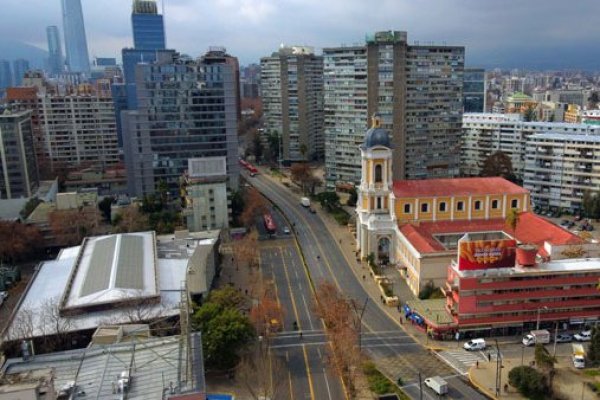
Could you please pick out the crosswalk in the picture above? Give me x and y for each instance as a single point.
(461, 360)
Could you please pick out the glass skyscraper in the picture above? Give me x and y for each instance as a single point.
(148, 26)
(78, 59)
(20, 67)
(55, 55)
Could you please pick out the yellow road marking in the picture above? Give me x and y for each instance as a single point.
(310, 385)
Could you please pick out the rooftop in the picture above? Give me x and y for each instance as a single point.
(530, 229)
(455, 187)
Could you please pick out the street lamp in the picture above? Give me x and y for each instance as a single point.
(537, 326)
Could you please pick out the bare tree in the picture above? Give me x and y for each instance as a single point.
(57, 327)
(261, 373)
(246, 250)
(71, 226)
(255, 205)
(23, 324)
(131, 219)
(267, 314)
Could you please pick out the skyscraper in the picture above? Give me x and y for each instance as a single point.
(416, 90)
(292, 94)
(76, 48)
(55, 55)
(5, 75)
(474, 90)
(148, 26)
(186, 109)
(20, 66)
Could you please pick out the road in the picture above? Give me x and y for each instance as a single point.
(398, 356)
(308, 375)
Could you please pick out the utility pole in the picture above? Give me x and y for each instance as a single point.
(420, 387)
(359, 321)
(498, 369)
(555, 334)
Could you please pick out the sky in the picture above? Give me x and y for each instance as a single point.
(537, 34)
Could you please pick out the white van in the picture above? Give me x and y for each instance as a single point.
(475, 344)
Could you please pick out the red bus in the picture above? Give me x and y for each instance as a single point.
(269, 224)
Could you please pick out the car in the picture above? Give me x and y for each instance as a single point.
(589, 227)
(312, 210)
(475, 344)
(3, 296)
(563, 338)
(66, 390)
(286, 230)
(577, 218)
(583, 336)
(564, 222)
(570, 225)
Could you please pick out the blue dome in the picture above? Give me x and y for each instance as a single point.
(376, 137)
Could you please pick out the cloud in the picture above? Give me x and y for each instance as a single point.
(254, 28)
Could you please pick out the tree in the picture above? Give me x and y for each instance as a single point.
(130, 219)
(246, 249)
(529, 382)
(266, 315)
(28, 208)
(71, 226)
(329, 200)
(105, 207)
(591, 204)
(301, 174)
(342, 325)
(229, 297)
(257, 148)
(353, 198)
(255, 205)
(225, 332)
(18, 240)
(261, 373)
(529, 114)
(498, 164)
(594, 350)
(512, 219)
(303, 150)
(273, 140)
(237, 206)
(593, 100)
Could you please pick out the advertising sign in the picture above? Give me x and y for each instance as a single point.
(484, 254)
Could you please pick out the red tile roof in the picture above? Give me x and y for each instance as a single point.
(531, 229)
(455, 187)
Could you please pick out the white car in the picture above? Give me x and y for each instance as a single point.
(3, 296)
(286, 230)
(584, 336)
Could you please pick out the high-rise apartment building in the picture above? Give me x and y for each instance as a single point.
(55, 54)
(78, 59)
(345, 109)
(20, 67)
(6, 77)
(474, 92)
(18, 169)
(417, 92)
(292, 94)
(148, 26)
(186, 109)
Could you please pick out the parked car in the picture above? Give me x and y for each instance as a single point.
(570, 224)
(286, 230)
(577, 218)
(312, 210)
(583, 336)
(563, 338)
(564, 222)
(3, 296)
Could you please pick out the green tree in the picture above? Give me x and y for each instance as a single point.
(273, 141)
(237, 206)
(229, 297)
(256, 146)
(543, 359)
(353, 197)
(594, 350)
(225, 331)
(593, 100)
(591, 204)
(529, 382)
(329, 200)
(29, 207)
(498, 164)
(529, 114)
(105, 207)
(512, 219)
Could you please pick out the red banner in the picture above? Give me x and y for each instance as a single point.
(483, 254)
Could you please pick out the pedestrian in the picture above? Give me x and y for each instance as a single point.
(477, 364)
(340, 241)
(300, 334)
(364, 277)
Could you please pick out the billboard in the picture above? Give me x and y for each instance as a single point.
(484, 254)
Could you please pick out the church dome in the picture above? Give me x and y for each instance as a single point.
(376, 136)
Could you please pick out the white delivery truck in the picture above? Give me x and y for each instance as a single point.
(578, 355)
(305, 201)
(538, 336)
(437, 384)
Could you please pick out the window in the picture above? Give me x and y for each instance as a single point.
(442, 206)
(478, 204)
(378, 174)
(514, 203)
(406, 208)
(495, 204)
(460, 206)
(425, 207)
(379, 203)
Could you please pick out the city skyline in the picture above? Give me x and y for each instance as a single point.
(522, 34)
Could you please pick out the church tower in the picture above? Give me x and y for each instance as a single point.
(376, 220)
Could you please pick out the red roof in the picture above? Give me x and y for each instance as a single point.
(455, 187)
(531, 229)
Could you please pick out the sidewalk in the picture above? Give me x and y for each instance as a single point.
(568, 382)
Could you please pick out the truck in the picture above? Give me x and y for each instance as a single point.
(437, 384)
(305, 201)
(578, 355)
(537, 336)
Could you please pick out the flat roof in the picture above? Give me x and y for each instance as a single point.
(592, 137)
(113, 268)
(455, 187)
(555, 266)
(530, 229)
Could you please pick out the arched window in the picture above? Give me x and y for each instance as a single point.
(378, 174)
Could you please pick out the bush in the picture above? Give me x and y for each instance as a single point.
(429, 292)
(529, 382)
(341, 216)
